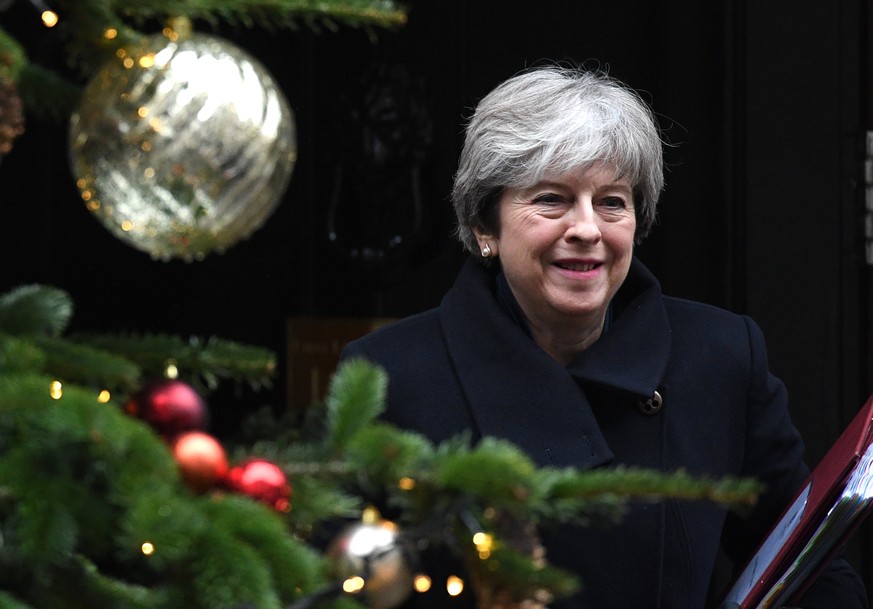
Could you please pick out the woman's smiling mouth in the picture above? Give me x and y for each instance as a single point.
(577, 266)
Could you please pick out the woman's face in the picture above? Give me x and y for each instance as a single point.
(565, 245)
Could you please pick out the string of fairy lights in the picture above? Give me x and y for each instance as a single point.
(356, 583)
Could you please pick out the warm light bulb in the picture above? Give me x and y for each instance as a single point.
(49, 18)
(370, 515)
(104, 396)
(454, 585)
(171, 371)
(353, 584)
(406, 483)
(148, 548)
(421, 583)
(110, 33)
(56, 390)
(484, 544)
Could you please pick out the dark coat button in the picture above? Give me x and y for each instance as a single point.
(651, 406)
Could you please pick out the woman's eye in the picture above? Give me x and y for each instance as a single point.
(548, 199)
(614, 203)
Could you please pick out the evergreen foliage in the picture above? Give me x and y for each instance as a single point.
(94, 512)
(84, 23)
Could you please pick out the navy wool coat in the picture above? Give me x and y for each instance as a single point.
(470, 365)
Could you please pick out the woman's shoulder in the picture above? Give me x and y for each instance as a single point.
(699, 321)
(418, 323)
(398, 338)
(700, 312)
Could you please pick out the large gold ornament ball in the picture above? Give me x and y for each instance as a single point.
(373, 551)
(182, 148)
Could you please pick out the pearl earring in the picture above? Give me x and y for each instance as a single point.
(486, 251)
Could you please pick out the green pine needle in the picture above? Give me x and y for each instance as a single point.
(89, 366)
(20, 356)
(644, 484)
(316, 501)
(356, 396)
(92, 583)
(7, 601)
(493, 470)
(32, 310)
(387, 454)
(13, 59)
(204, 362)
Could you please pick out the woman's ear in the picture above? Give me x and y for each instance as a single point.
(487, 242)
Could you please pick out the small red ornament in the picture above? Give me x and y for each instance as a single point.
(170, 406)
(263, 481)
(202, 460)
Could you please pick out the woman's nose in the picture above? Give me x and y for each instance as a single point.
(582, 223)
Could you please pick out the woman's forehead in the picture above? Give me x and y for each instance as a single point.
(603, 173)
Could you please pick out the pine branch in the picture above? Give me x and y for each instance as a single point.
(85, 486)
(207, 361)
(386, 455)
(493, 470)
(645, 484)
(7, 601)
(265, 13)
(85, 580)
(356, 396)
(84, 24)
(292, 566)
(86, 365)
(13, 59)
(47, 93)
(20, 356)
(35, 310)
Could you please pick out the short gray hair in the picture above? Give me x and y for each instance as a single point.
(555, 118)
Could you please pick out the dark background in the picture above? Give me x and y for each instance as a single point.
(765, 106)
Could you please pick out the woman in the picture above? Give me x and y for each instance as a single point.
(556, 338)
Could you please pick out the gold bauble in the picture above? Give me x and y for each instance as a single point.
(182, 148)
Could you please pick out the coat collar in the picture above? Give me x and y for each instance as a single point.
(632, 355)
(517, 392)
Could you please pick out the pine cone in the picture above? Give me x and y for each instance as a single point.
(11, 116)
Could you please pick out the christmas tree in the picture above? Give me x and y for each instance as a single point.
(114, 495)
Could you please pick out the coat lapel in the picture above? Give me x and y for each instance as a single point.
(514, 389)
(632, 355)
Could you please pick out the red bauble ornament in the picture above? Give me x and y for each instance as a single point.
(170, 406)
(202, 460)
(263, 481)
